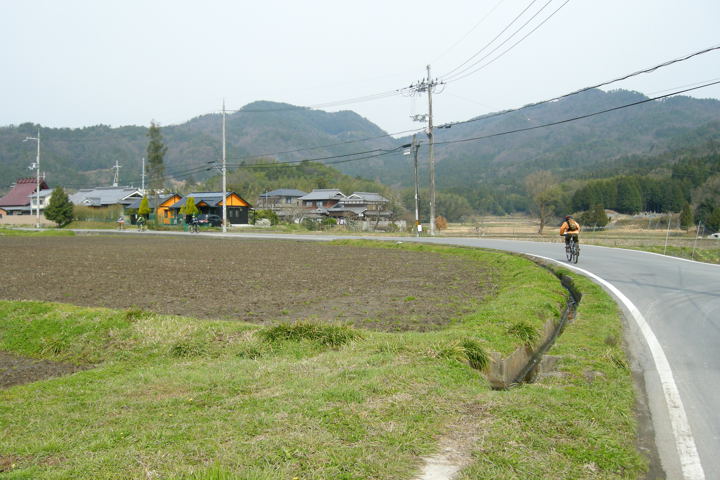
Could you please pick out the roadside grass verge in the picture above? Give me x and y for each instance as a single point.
(35, 233)
(180, 398)
(699, 254)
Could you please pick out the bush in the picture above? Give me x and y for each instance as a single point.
(328, 335)
(525, 332)
(256, 215)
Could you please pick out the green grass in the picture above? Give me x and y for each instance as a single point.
(699, 254)
(187, 399)
(34, 233)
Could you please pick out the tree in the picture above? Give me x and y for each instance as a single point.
(156, 150)
(686, 217)
(713, 221)
(144, 208)
(544, 193)
(189, 208)
(629, 198)
(60, 208)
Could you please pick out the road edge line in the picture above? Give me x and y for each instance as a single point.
(684, 440)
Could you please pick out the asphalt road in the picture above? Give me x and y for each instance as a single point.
(673, 333)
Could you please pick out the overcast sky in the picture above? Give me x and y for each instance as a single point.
(74, 63)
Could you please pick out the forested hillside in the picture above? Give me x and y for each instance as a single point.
(482, 163)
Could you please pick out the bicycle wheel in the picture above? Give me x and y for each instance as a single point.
(569, 250)
(576, 252)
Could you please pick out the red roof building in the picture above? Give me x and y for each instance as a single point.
(17, 201)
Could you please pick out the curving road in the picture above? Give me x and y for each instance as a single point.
(673, 333)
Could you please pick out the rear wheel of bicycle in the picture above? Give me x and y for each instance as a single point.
(575, 253)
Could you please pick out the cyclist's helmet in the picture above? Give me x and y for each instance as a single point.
(568, 217)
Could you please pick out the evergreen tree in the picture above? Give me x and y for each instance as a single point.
(144, 208)
(598, 215)
(156, 150)
(60, 208)
(189, 208)
(629, 199)
(713, 221)
(686, 217)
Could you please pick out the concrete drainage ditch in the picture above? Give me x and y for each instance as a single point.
(525, 363)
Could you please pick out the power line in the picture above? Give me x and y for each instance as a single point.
(581, 117)
(461, 75)
(585, 89)
(491, 41)
(468, 33)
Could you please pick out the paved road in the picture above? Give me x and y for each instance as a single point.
(673, 310)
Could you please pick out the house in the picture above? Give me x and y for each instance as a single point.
(238, 209)
(21, 200)
(319, 201)
(160, 206)
(361, 205)
(103, 197)
(284, 202)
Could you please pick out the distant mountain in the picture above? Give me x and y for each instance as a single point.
(84, 157)
(573, 148)
(473, 157)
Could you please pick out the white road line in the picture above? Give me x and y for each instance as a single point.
(684, 440)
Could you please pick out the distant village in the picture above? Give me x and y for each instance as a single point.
(27, 199)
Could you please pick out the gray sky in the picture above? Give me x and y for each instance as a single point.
(74, 63)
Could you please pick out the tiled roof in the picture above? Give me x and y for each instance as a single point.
(323, 194)
(20, 194)
(283, 192)
(97, 197)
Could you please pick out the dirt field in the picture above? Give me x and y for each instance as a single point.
(257, 281)
(250, 280)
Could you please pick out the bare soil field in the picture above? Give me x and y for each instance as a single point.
(259, 281)
(254, 281)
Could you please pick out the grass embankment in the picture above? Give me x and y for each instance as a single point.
(698, 254)
(35, 233)
(179, 398)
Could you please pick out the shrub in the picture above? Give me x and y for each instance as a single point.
(475, 354)
(328, 335)
(525, 332)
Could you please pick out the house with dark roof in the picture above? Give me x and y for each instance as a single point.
(284, 202)
(102, 197)
(159, 206)
(318, 201)
(21, 200)
(238, 210)
(361, 205)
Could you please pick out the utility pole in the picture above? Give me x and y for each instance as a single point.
(117, 174)
(37, 184)
(418, 226)
(142, 175)
(431, 84)
(428, 85)
(224, 172)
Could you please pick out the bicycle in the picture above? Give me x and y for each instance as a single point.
(194, 228)
(572, 250)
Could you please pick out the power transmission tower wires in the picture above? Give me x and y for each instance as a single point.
(428, 85)
(224, 173)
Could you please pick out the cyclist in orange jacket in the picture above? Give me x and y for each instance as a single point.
(570, 228)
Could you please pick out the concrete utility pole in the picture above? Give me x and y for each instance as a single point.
(431, 84)
(116, 167)
(37, 185)
(415, 148)
(224, 172)
(428, 85)
(142, 175)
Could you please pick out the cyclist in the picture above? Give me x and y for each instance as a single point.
(570, 229)
(141, 223)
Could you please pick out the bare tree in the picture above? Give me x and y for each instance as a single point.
(544, 192)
